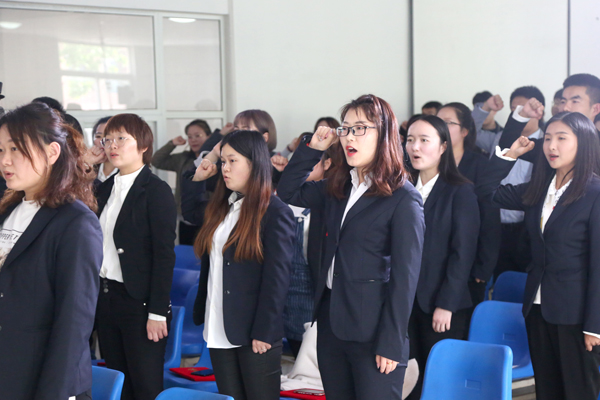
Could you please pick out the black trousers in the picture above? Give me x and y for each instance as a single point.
(245, 375)
(348, 369)
(563, 368)
(121, 322)
(515, 249)
(423, 338)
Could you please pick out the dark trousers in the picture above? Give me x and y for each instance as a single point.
(515, 249)
(348, 369)
(187, 233)
(245, 375)
(121, 322)
(563, 368)
(423, 338)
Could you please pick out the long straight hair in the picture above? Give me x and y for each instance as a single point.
(246, 234)
(387, 168)
(463, 114)
(447, 167)
(587, 161)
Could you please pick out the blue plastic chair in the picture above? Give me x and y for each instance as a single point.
(498, 322)
(193, 339)
(189, 394)
(173, 380)
(457, 369)
(183, 280)
(107, 384)
(185, 257)
(510, 287)
(173, 350)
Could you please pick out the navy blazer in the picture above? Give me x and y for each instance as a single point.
(145, 232)
(472, 167)
(48, 291)
(565, 257)
(377, 256)
(254, 293)
(450, 247)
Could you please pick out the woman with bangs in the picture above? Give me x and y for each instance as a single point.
(246, 245)
(50, 255)
(138, 216)
(372, 250)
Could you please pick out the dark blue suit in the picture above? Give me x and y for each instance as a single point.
(377, 261)
(48, 293)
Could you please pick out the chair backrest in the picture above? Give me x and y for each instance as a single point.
(185, 257)
(173, 351)
(498, 322)
(176, 393)
(107, 384)
(188, 320)
(183, 280)
(457, 369)
(510, 287)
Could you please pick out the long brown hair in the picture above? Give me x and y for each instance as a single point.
(387, 168)
(246, 234)
(31, 128)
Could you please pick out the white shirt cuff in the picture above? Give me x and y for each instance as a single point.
(155, 317)
(516, 115)
(198, 160)
(592, 334)
(501, 154)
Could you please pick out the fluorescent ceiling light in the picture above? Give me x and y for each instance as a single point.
(10, 25)
(182, 20)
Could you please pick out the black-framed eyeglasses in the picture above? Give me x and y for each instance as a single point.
(357, 130)
(120, 141)
(450, 123)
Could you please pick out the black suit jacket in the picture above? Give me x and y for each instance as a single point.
(48, 292)
(450, 247)
(377, 257)
(565, 257)
(472, 166)
(145, 231)
(254, 293)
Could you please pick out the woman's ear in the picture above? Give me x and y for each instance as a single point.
(327, 164)
(444, 147)
(53, 152)
(266, 136)
(464, 132)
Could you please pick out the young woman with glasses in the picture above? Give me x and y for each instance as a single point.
(138, 216)
(372, 250)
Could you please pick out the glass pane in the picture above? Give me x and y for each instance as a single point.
(192, 64)
(86, 61)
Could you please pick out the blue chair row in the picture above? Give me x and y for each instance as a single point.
(107, 384)
(183, 280)
(188, 394)
(510, 287)
(185, 258)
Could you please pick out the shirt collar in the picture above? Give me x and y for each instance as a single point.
(356, 180)
(552, 191)
(127, 180)
(428, 187)
(236, 199)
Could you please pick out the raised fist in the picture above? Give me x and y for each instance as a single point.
(205, 170)
(519, 147)
(228, 128)
(323, 138)
(494, 103)
(179, 141)
(279, 162)
(532, 109)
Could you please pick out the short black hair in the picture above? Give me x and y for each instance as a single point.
(101, 121)
(50, 102)
(558, 94)
(528, 92)
(591, 83)
(481, 97)
(432, 104)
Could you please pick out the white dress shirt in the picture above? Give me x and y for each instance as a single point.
(102, 177)
(111, 265)
(358, 189)
(214, 328)
(426, 189)
(298, 214)
(14, 226)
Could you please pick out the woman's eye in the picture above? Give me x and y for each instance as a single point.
(14, 149)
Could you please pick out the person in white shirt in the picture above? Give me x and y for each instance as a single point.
(246, 246)
(138, 217)
(441, 307)
(50, 255)
(562, 215)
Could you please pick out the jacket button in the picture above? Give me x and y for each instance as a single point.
(335, 274)
(227, 292)
(1, 294)
(227, 262)
(120, 251)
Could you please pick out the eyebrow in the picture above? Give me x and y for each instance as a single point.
(572, 97)
(557, 133)
(228, 155)
(357, 122)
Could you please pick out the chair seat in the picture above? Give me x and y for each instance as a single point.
(522, 371)
(191, 349)
(173, 380)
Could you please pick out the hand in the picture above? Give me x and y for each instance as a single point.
(260, 347)
(323, 138)
(494, 103)
(591, 341)
(228, 128)
(441, 320)
(179, 141)
(156, 330)
(215, 154)
(532, 109)
(385, 365)
(293, 145)
(279, 162)
(479, 280)
(519, 147)
(205, 170)
(95, 155)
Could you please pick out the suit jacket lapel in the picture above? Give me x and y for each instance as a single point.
(436, 192)
(362, 203)
(37, 225)
(558, 210)
(136, 190)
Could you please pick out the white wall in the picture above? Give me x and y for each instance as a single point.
(585, 37)
(303, 59)
(488, 45)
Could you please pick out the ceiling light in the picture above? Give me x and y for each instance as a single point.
(182, 20)
(10, 25)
